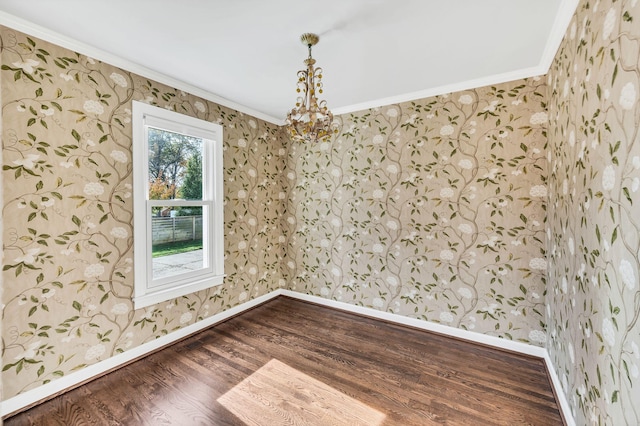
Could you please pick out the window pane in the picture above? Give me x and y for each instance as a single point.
(175, 166)
(176, 241)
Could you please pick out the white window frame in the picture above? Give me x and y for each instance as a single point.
(148, 291)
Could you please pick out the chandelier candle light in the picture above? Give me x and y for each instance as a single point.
(310, 120)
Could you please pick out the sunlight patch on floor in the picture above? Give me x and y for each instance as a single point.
(279, 394)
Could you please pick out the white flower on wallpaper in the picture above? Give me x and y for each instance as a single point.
(378, 248)
(465, 164)
(609, 23)
(538, 263)
(93, 189)
(26, 65)
(30, 351)
(446, 317)
(119, 232)
(28, 162)
(93, 107)
(465, 99)
(628, 96)
(446, 193)
(94, 270)
(446, 255)
(627, 274)
(538, 118)
(537, 336)
(119, 156)
(29, 257)
(608, 178)
(377, 194)
(186, 318)
(565, 89)
(572, 138)
(119, 79)
(199, 106)
(120, 309)
(465, 292)
(465, 228)
(608, 332)
(94, 352)
(446, 130)
(538, 191)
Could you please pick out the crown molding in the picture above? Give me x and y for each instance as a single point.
(566, 10)
(46, 34)
(441, 90)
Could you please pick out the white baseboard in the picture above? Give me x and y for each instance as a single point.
(25, 399)
(459, 333)
(563, 403)
(43, 392)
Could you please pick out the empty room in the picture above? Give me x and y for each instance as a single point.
(324, 213)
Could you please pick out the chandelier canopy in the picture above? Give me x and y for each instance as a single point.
(310, 120)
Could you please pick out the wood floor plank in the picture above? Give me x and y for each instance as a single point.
(297, 359)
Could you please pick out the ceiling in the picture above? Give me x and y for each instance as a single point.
(245, 53)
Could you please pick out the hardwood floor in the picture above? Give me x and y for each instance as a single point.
(292, 362)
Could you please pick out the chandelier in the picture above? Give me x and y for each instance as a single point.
(310, 120)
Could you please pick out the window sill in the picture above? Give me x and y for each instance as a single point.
(155, 297)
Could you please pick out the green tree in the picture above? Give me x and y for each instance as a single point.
(192, 185)
(169, 154)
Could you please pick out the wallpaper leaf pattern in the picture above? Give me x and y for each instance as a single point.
(594, 234)
(433, 209)
(68, 268)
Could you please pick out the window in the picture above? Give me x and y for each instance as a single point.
(178, 210)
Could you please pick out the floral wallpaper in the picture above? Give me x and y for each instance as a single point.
(67, 212)
(508, 210)
(593, 300)
(433, 209)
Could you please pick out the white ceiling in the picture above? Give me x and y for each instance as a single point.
(245, 53)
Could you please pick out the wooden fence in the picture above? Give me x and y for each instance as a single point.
(172, 229)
